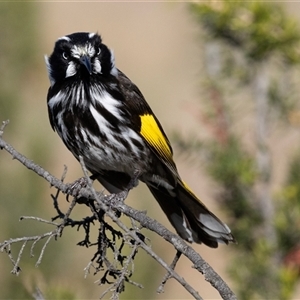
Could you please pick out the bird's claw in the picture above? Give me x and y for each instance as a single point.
(75, 187)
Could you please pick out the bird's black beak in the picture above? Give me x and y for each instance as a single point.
(86, 62)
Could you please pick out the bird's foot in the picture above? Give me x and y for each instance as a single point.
(75, 187)
(114, 199)
(134, 181)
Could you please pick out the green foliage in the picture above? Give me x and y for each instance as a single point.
(288, 207)
(234, 169)
(276, 94)
(235, 165)
(264, 267)
(258, 28)
(288, 278)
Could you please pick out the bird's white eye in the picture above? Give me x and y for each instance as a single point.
(65, 55)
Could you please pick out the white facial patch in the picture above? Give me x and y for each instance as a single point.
(71, 70)
(91, 34)
(97, 66)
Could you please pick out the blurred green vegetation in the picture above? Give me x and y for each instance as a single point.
(252, 57)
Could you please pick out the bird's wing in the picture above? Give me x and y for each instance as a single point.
(145, 122)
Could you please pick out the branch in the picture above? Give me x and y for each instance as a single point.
(112, 203)
(6, 246)
(121, 196)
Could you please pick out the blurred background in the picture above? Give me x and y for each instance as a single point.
(223, 78)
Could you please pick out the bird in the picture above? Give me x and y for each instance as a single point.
(102, 117)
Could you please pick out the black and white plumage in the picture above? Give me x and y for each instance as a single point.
(103, 117)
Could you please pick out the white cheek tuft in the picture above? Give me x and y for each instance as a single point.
(71, 70)
(97, 66)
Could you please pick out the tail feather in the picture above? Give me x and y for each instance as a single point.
(174, 212)
(188, 215)
(191, 219)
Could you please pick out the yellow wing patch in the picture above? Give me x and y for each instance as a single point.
(153, 135)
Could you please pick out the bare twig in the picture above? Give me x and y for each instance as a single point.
(88, 268)
(120, 198)
(4, 124)
(119, 205)
(6, 246)
(43, 249)
(38, 219)
(38, 295)
(118, 285)
(168, 275)
(65, 219)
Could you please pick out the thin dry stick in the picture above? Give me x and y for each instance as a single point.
(4, 124)
(66, 217)
(38, 295)
(132, 234)
(16, 268)
(199, 264)
(38, 219)
(124, 276)
(6, 246)
(168, 275)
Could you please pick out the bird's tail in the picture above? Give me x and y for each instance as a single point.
(191, 219)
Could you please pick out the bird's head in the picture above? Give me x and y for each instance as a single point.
(79, 54)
